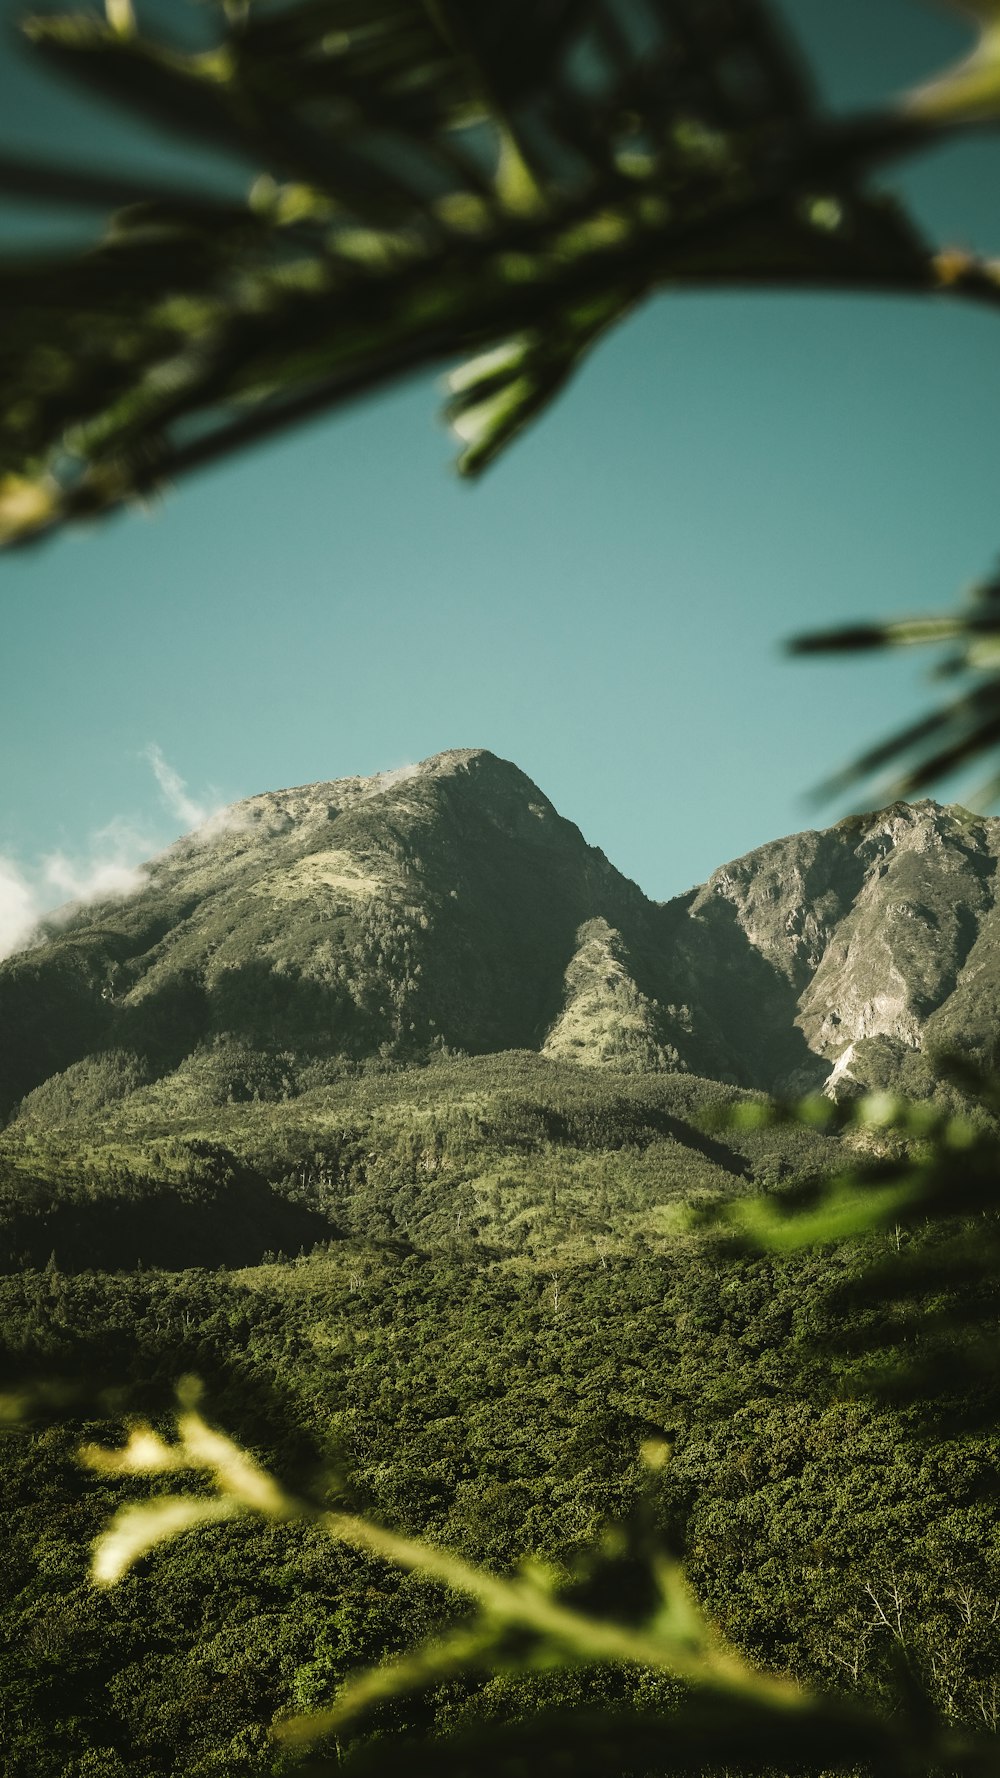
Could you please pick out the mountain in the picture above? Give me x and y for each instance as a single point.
(850, 954)
(503, 1288)
(447, 907)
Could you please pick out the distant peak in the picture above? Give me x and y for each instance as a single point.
(456, 761)
(453, 757)
(308, 804)
(910, 813)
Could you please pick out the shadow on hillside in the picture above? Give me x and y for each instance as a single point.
(579, 1130)
(234, 1222)
(744, 1007)
(111, 1345)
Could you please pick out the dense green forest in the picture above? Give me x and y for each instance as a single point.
(499, 1410)
(507, 1285)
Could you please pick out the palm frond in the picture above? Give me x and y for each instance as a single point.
(434, 182)
(960, 731)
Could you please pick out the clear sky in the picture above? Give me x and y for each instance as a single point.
(605, 608)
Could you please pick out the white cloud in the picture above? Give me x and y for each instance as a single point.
(173, 790)
(386, 780)
(110, 866)
(209, 818)
(19, 907)
(59, 882)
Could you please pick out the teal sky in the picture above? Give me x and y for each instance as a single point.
(605, 608)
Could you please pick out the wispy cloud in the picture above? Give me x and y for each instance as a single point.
(110, 867)
(174, 791)
(18, 907)
(111, 864)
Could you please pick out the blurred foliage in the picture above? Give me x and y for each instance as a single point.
(727, 1708)
(435, 181)
(391, 184)
(962, 729)
(924, 1320)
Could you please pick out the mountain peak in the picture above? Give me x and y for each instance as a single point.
(447, 904)
(434, 904)
(303, 802)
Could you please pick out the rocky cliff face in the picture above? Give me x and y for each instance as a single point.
(448, 905)
(881, 928)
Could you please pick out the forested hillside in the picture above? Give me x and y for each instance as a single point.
(497, 1406)
(378, 1108)
(448, 907)
(505, 1155)
(504, 1286)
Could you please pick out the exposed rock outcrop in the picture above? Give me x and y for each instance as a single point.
(448, 905)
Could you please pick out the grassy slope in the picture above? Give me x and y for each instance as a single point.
(516, 1152)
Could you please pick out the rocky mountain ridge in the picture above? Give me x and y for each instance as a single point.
(449, 907)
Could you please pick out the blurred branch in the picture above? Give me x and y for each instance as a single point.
(927, 1321)
(729, 1712)
(959, 731)
(80, 188)
(490, 188)
(437, 182)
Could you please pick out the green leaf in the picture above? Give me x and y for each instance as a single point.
(433, 183)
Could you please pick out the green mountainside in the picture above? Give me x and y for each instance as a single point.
(448, 907)
(382, 1106)
(419, 1004)
(502, 1157)
(437, 907)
